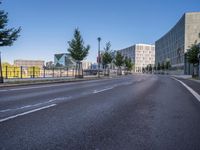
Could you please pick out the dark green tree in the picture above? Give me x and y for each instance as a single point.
(167, 65)
(192, 56)
(158, 66)
(7, 35)
(150, 68)
(106, 57)
(163, 65)
(154, 68)
(119, 61)
(78, 51)
(128, 64)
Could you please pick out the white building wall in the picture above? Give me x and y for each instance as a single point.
(141, 55)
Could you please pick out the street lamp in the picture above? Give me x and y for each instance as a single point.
(1, 75)
(99, 40)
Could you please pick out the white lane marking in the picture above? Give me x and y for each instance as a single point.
(34, 87)
(25, 113)
(38, 104)
(99, 91)
(195, 94)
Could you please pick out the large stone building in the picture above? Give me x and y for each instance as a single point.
(29, 63)
(173, 45)
(140, 54)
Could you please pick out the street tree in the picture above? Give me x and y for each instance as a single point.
(78, 51)
(7, 35)
(163, 65)
(167, 65)
(158, 66)
(119, 61)
(192, 56)
(107, 57)
(128, 64)
(150, 68)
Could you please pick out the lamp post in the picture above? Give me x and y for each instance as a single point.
(99, 40)
(1, 74)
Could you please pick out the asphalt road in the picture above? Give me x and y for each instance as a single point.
(134, 112)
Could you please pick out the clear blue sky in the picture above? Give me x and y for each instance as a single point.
(47, 25)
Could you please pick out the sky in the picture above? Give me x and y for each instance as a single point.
(47, 25)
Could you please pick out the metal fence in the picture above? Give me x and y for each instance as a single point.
(36, 72)
(14, 72)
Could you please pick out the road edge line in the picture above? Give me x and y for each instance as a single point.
(194, 93)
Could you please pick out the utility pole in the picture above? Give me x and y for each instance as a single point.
(99, 40)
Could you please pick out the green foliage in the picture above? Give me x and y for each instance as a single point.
(167, 65)
(7, 35)
(106, 55)
(128, 64)
(158, 66)
(192, 54)
(163, 65)
(119, 59)
(76, 48)
(154, 67)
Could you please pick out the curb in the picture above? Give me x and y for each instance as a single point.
(46, 82)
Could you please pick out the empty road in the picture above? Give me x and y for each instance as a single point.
(133, 112)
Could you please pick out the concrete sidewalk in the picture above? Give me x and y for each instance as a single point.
(31, 81)
(36, 81)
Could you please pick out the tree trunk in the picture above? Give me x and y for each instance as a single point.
(79, 72)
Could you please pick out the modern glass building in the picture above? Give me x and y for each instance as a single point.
(174, 44)
(64, 60)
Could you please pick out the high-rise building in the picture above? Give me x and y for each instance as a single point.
(140, 54)
(174, 44)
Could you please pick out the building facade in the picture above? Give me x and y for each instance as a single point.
(141, 55)
(64, 60)
(173, 45)
(86, 65)
(29, 63)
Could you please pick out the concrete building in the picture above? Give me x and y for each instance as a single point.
(29, 63)
(174, 44)
(86, 65)
(49, 64)
(140, 54)
(64, 60)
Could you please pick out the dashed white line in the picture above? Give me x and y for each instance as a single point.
(99, 91)
(28, 112)
(195, 94)
(37, 104)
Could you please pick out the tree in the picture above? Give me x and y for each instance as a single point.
(78, 51)
(163, 65)
(150, 68)
(154, 67)
(192, 56)
(107, 57)
(158, 66)
(168, 65)
(7, 35)
(128, 64)
(119, 61)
